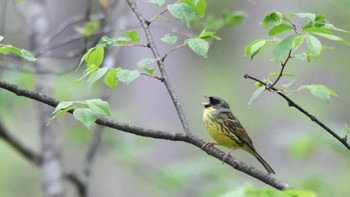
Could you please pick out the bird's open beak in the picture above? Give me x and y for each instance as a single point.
(205, 103)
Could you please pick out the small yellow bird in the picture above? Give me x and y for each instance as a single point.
(226, 129)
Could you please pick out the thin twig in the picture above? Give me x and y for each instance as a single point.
(172, 50)
(161, 66)
(158, 15)
(283, 65)
(291, 103)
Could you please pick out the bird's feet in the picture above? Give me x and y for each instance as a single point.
(208, 144)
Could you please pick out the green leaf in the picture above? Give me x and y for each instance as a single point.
(298, 40)
(96, 76)
(299, 192)
(169, 38)
(320, 20)
(255, 95)
(182, 11)
(334, 28)
(282, 49)
(98, 106)
(82, 59)
(199, 46)
(234, 18)
(254, 47)
(146, 61)
(86, 116)
(62, 105)
(88, 29)
(198, 6)
(314, 46)
(95, 57)
(208, 35)
(127, 76)
(288, 85)
(272, 19)
(106, 42)
(20, 52)
(279, 29)
(157, 2)
(133, 35)
(320, 91)
(60, 113)
(310, 16)
(111, 79)
(325, 34)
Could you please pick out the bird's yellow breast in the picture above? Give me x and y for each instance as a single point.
(216, 130)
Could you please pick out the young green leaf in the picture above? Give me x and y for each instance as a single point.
(288, 85)
(310, 16)
(111, 79)
(62, 105)
(20, 52)
(86, 116)
(95, 57)
(314, 46)
(272, 19)
(274, 74)
(98, 106)
(298, 40)
(255, 95)
(133, 35)
(283, 47)
(157, 2)
(60, 113)
(88, 29)
(106, 42)
(199, 46)
(146, 61)
(208, 35)
(254, 47)
(234, 18)
(325, 34)
(96, 76)
(127, 76)
(198, 6)
(169, 38)
(279, 29)
(320, 91)
(182, 11)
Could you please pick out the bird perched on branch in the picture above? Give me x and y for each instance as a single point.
(226, 129)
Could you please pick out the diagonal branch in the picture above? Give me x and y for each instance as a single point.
(157, 134)
(25, 151)
(291, 103)
(145, 25)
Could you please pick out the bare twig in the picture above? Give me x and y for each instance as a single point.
(283, 65)
(291, 103)
(158, 15)
(161, 66)
(157, 134)
(172, 50)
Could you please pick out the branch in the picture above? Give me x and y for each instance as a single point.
(283, 65)
(157, 134)
(145, 25)
(23, 150)
(291, 103)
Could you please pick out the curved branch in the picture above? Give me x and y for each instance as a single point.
(291, 103)
(179, 136)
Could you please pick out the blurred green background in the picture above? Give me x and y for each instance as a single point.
(301, 153)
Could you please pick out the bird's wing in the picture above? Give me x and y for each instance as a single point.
(237, 128)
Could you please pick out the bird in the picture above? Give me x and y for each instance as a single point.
(226, 129)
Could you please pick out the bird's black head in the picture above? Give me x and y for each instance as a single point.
(216, 103)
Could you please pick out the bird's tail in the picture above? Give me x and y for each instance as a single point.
(263, 162)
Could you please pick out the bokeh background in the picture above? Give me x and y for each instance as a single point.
(301, 153)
